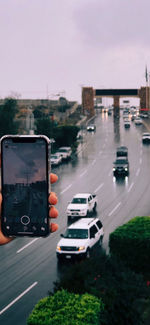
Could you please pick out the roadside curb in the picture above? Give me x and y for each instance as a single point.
(147, 126)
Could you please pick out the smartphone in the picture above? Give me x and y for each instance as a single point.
(25, 185)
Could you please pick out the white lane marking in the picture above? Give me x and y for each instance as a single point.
(82, 174)
(66, 189)
(93, 162)
(100, 152)
(140, 161)
(115, 208)
(99, 187)
(19, 297)
(129, 189)
(30, 243)
(138, 171)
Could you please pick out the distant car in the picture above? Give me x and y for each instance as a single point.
(133, 116)
(127, 124)
(91, 127)
(143, 115)
(80, 238)
(121, 167)
(65, 152)
(55, 159)
(146, 137)
(122, 151)
(138, 121)
(79, 136)
(126, 112)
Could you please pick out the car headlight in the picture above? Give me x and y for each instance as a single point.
(58, 248)
(114, 169)
(126, 168)
(81, 248)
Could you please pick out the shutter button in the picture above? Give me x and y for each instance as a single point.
(25, 220)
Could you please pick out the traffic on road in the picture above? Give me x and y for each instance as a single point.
(29, 267)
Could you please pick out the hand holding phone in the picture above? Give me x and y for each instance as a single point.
(25, 186)
(53, 212)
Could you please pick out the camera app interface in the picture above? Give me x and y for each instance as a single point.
(25, 185)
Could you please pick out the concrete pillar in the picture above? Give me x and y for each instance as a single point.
(116, 106)
(144, 95)
(88, 101)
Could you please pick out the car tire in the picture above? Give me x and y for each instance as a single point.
(88, 255)
(87, 214)
(59, 259)
(69, 218)
(101, 241)
(95, 206)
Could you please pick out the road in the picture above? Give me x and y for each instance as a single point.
(28, 266)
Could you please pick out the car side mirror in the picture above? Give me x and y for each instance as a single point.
(61, 235)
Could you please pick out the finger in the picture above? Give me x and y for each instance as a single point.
(53, 212)
(53, 198)
(54, 227)
(53, 178)
(0, 202)
(3, 239)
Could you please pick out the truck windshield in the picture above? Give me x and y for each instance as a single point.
(76, 233)
(79, 200)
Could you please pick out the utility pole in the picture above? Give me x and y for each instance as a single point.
(30, 122)
(146, 77)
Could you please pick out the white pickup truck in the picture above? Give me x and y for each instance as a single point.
(82, 205)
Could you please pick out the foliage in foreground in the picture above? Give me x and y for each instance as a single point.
(121, 290)
(131, 243)
(66, 308)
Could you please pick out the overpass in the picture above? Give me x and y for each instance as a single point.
(88, 95)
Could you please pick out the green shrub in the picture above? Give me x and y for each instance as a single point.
(131, 243)
(108, 278)
(66, 308)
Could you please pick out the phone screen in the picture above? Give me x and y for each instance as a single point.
(25, 186)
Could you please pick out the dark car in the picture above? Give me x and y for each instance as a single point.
(146, 138)
(121, 167)
(122, 151)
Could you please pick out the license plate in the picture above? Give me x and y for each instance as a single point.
(68, 256)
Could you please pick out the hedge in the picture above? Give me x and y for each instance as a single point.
(131, 243)
(107, 278)
(66, 308)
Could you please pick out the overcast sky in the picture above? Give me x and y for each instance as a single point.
(58, 46)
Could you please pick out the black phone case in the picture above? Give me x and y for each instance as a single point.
(25, 197)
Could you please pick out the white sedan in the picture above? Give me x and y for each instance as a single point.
(91, 127)
(55, 159)
(138, 121)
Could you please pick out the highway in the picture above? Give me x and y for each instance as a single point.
(28, 266)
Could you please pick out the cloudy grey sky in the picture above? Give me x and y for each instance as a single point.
(58, 46)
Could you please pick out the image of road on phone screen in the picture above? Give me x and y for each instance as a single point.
(25, 187)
